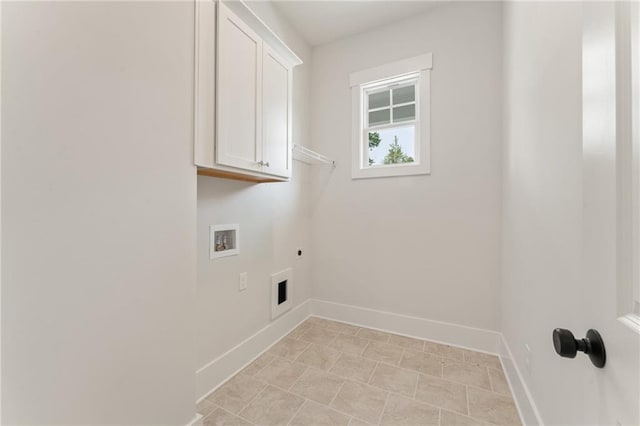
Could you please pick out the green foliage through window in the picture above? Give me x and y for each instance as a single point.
(395, 154)
(374, 141)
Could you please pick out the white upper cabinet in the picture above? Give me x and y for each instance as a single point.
(243, 96)
(276, 113)
(239, 137)
(205, 84)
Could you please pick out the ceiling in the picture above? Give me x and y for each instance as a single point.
(324, 21)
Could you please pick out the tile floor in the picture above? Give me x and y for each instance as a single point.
(331, 373)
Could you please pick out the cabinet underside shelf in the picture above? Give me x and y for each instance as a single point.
(236, 176)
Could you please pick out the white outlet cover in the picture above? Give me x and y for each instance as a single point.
(242, 285)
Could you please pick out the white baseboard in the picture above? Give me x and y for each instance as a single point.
(221, 369)
(476, 339)
(526, 405)
(197, 421)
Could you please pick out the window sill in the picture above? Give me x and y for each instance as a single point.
(391, 171)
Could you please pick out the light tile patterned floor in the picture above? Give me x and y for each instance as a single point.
(331, 373)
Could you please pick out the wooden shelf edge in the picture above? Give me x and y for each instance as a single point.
(236, 176)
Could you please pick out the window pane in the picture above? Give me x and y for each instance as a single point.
(404, 95)
(377, 118)
(404, 113)
(379, 100)
(394, 145)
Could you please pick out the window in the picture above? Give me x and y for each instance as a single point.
(390, 122)
(391, 119)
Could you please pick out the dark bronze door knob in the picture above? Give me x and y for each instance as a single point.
(567, 346)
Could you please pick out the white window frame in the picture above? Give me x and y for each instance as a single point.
(362, 82)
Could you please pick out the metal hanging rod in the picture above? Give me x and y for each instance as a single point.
(309, 156)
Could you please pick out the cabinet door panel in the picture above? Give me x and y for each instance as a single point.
(239, 93)
(205, 90)
(276, 114)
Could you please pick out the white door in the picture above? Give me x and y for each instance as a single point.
(276, 110)
(239, 88)
(611, 394)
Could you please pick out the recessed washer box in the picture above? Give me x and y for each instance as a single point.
(224, 240)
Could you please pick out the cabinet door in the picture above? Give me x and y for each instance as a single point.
(276, 114)
(205, 79)
(239, 87)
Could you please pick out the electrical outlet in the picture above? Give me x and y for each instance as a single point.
(242, 285)
(527, 362)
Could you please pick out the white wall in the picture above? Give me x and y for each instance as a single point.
(427, 246)
(559, 210)
(274, 222)
(542, 195)
(98, 213)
